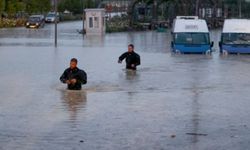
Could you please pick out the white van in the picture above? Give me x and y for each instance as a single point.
(51, 17)
(190, 35)
(235, 37)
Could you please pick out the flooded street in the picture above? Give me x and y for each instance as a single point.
(173, 102)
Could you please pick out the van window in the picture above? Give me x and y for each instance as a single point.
(236, 38)
(191, 38)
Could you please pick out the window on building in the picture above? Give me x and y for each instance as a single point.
(96, 22)
(90, 22)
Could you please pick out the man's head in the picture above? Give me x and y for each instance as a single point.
(130, 48)
(73, 63)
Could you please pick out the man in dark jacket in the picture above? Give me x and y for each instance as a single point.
(73, 76)
(132, 58)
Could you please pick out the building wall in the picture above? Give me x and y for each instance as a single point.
(95, 21)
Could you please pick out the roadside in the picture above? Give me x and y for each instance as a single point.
(21, 22)
(8, 23)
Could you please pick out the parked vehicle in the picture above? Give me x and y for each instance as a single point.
(190, 35)
(35, 21)
(52, 17)
(235, 37)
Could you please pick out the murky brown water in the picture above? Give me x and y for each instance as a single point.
(188, 102)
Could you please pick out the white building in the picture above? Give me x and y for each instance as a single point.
(94, 23)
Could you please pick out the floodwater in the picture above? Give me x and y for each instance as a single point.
(173, 102)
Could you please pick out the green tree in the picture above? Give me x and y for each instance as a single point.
(15, 6)
(2, 7)
(75, 6)
(37, 6)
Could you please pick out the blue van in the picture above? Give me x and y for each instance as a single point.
(235, 36)
(190, 35)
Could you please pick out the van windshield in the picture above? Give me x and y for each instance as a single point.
(236, 38)
(191, 38)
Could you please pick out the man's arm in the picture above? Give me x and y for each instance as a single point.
(138, 60)
(63, 77)
(123, 56)
(82, 77)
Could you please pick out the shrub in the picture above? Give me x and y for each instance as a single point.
(9, 23)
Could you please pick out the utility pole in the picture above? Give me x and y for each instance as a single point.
(155, 19)
(240, 8)
(197, 7)
(55, 5)
(83, 17)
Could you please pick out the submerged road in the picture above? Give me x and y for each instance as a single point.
(173, 102)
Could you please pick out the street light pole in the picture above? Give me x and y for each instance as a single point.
(55, 3)
(83, 17)
(197, 7)
(240, 5)
(154, 20)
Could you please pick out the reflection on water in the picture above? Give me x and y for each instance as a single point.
(74, 101)
(102, 87)
(94, 41)
(195, 117)
(131, 74)
(197, 86)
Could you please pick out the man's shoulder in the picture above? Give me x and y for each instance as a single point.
(82, 71)
(136, 54)
(125, 53)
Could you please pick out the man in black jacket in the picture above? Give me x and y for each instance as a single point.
(73, 76)
(132, 58)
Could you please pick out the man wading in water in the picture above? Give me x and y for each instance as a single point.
(132, 58)
(73, 76)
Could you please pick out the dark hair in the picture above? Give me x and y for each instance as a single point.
(131, 45)
(73, 60)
